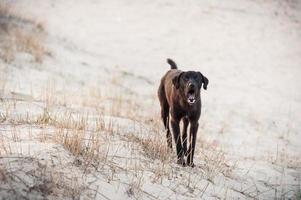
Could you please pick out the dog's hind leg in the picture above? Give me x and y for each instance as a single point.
(165, 119)
(184, 135)
(165, 114)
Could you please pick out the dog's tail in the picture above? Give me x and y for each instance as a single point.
(173, 65)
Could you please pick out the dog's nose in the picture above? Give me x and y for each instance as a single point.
(191, 88)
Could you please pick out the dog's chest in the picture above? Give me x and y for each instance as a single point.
(187, 110)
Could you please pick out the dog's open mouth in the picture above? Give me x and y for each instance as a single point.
(191, 97)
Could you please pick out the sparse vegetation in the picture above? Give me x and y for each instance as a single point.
(20, 34)
(41, 180)
(89, 138)
(85, 124)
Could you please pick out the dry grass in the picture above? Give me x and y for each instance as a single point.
(90, 150)
(215, 162)
(88, 136)
(153, 146)
(20, 34)
(42, 180)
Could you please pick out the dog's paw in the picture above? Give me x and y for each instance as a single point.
(191, 164)
(181, 161)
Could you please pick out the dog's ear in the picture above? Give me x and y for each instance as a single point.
(205, 80)
(176, 80)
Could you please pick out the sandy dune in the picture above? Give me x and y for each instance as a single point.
(84, 123)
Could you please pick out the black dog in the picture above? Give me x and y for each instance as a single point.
(179, 95)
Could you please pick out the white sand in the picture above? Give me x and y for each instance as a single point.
(249, 50)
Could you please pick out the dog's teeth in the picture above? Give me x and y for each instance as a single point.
(191, 100)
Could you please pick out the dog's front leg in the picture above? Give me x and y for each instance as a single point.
(176, 132)
(184, 135)
(192, 140)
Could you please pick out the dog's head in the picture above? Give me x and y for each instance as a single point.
(189, 84)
